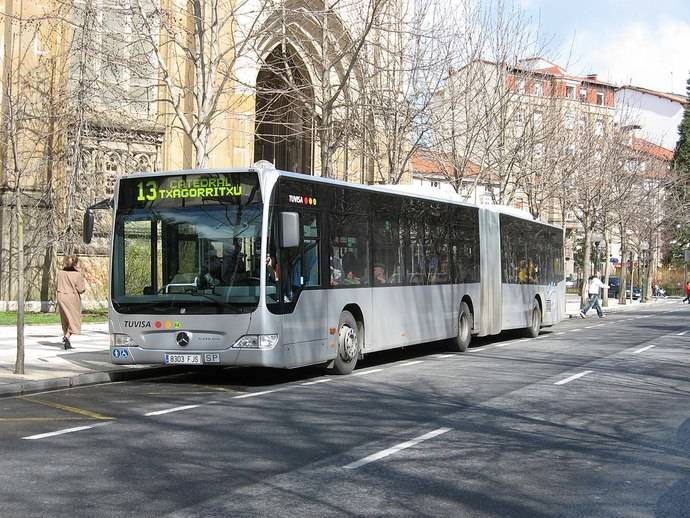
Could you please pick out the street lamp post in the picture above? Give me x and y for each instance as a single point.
(632, 276)
(598, 239)
(644, 258)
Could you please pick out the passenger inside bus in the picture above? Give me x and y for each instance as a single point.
(233, 261)
(350, 268)
(379, 274)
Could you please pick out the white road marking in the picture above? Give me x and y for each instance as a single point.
(252, 394)
(571, 378)
(364, 373)
(395, 449)
(643, 349)
(504, 344)
(444, 356)
(66, 430)
(169, 410)
(477, 349)
(590, 327)
(405, 364)
(560, 333)
(325, 380)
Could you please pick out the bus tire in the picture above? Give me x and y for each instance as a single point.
(532, 331)
(349, 344)
(465, 321)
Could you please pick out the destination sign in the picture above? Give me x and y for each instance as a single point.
(189, 190)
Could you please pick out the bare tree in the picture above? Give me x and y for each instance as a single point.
(324, 42)
(406, 61)
(28, 136)
(192, 50)
(483, 114)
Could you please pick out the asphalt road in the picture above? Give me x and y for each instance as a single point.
(592, 418)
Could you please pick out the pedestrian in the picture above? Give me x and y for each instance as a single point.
(687, 293)
(595, 285)
(70, 286)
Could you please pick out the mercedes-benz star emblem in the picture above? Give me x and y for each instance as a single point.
(182, 339)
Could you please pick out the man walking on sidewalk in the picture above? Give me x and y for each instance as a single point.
(595, 285)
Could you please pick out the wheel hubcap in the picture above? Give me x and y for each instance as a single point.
(348, 343)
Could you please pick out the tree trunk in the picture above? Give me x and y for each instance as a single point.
(19, 222)
(586, 271)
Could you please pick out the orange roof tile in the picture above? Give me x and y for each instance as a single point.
(653, 150)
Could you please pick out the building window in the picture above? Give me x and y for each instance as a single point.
(600, 98)
(583, 94)
(569, 121)
(570, 91)
(538, 119)
(521, 85)
(539, 88)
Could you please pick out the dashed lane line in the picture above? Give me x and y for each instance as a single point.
(573, 377)
(397, 448)
(171, 410)
(643, 349)
(254, 394)
(65, 430)
(316, 382)
(364, 373)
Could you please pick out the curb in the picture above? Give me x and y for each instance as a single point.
(80, 380)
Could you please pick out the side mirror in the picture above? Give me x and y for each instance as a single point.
(289, 229)
(87, 232)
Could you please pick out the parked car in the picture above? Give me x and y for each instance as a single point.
(636, 294)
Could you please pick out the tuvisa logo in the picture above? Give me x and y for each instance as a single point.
(137, 323)
(302, 200)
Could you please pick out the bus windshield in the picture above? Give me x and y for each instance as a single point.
(184, 247)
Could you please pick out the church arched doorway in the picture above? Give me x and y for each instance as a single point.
(283, 127)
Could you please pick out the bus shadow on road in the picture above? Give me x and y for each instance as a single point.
(258, 377)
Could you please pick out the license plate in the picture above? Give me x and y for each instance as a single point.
(182, 359)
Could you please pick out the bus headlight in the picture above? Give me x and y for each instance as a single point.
(256, 342)
(120, 340)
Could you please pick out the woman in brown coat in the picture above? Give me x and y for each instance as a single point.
(70, 286)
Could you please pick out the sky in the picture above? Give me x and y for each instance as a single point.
(641, 42)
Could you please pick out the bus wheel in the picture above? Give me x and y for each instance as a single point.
(349, 344)
(462, 341)
(532, 331)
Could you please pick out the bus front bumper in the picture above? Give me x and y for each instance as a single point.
(226, 357)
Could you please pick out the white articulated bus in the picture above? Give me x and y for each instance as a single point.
(258, 267)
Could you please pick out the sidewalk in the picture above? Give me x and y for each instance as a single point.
(572, 305)
(47, 366)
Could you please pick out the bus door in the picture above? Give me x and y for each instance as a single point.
(298, 282)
